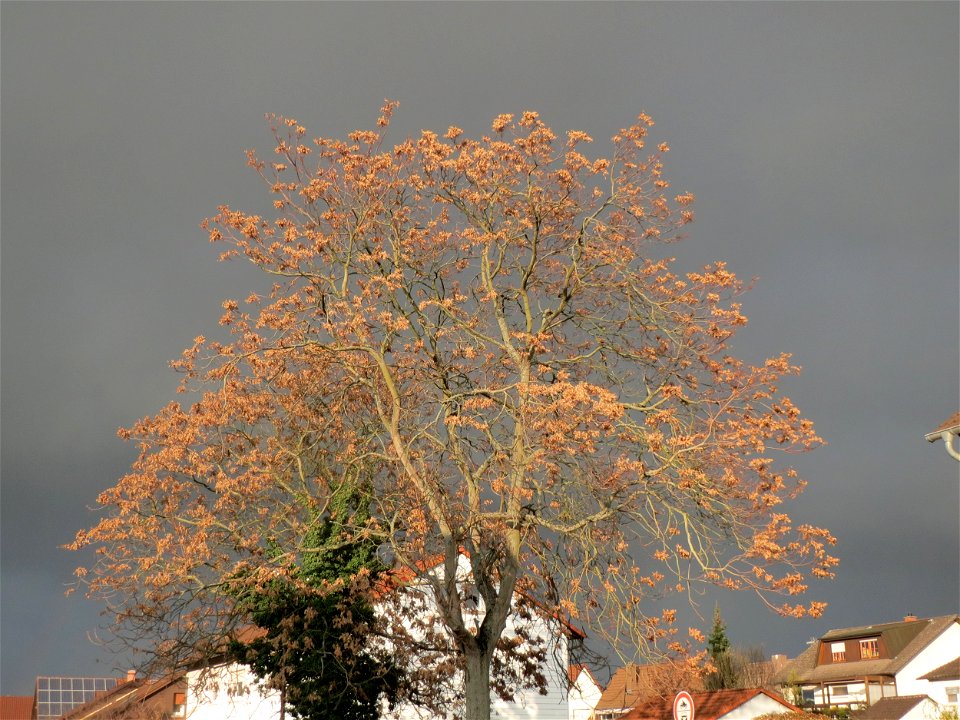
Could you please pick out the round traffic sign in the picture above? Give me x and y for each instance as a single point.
(683, 706)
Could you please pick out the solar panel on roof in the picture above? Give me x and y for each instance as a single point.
(59, 695)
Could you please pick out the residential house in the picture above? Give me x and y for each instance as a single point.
(229, 691)
(744, 704)
(857, 666)
(552, 636)
(136, 699)
(55, 696)
(635, 684)
(584, 693)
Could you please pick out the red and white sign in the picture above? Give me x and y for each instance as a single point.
(683, 706)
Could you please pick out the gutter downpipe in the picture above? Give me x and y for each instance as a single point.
(947, 436)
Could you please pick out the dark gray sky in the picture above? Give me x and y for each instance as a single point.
(820, 139)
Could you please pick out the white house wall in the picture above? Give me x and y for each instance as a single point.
(583, 697)
(418, 602)
(553, 703)
(528, 704)
(232, 692)
(229, 692)
(941, 651)
(531, 704)
(926, 710)
(938, 692)
(754, 707)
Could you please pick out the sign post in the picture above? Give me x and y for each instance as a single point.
(683, 706)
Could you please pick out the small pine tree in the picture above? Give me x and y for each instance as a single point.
(724, 675)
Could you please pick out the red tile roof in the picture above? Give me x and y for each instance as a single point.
(708, 705)
(633, 684)
(16, 707)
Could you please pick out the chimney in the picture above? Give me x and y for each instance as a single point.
(131, 675)
(909, 617)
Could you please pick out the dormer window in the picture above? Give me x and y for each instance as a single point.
(869, 648)
(838, 652)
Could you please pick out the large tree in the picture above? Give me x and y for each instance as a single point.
(486, 329)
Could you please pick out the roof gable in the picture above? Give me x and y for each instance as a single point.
(633, 684)
(708, 705)
(576, 670)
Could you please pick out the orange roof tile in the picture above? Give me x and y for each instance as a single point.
(708, 705)
(16, 707)
(634, 684)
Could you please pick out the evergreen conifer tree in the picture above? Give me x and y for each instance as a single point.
(314, 649)
(724, 675)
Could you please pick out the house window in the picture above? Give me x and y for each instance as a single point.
(471, 596)
(179, 705)
(838, 690)
(952, 694)
(237, 688)
(869, 649)
(838, 651)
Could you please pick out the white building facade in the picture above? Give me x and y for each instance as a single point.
(232, 692)
(229, 692)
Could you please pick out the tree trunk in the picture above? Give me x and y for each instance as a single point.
(477, 686)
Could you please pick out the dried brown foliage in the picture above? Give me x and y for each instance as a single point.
(473, 326)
